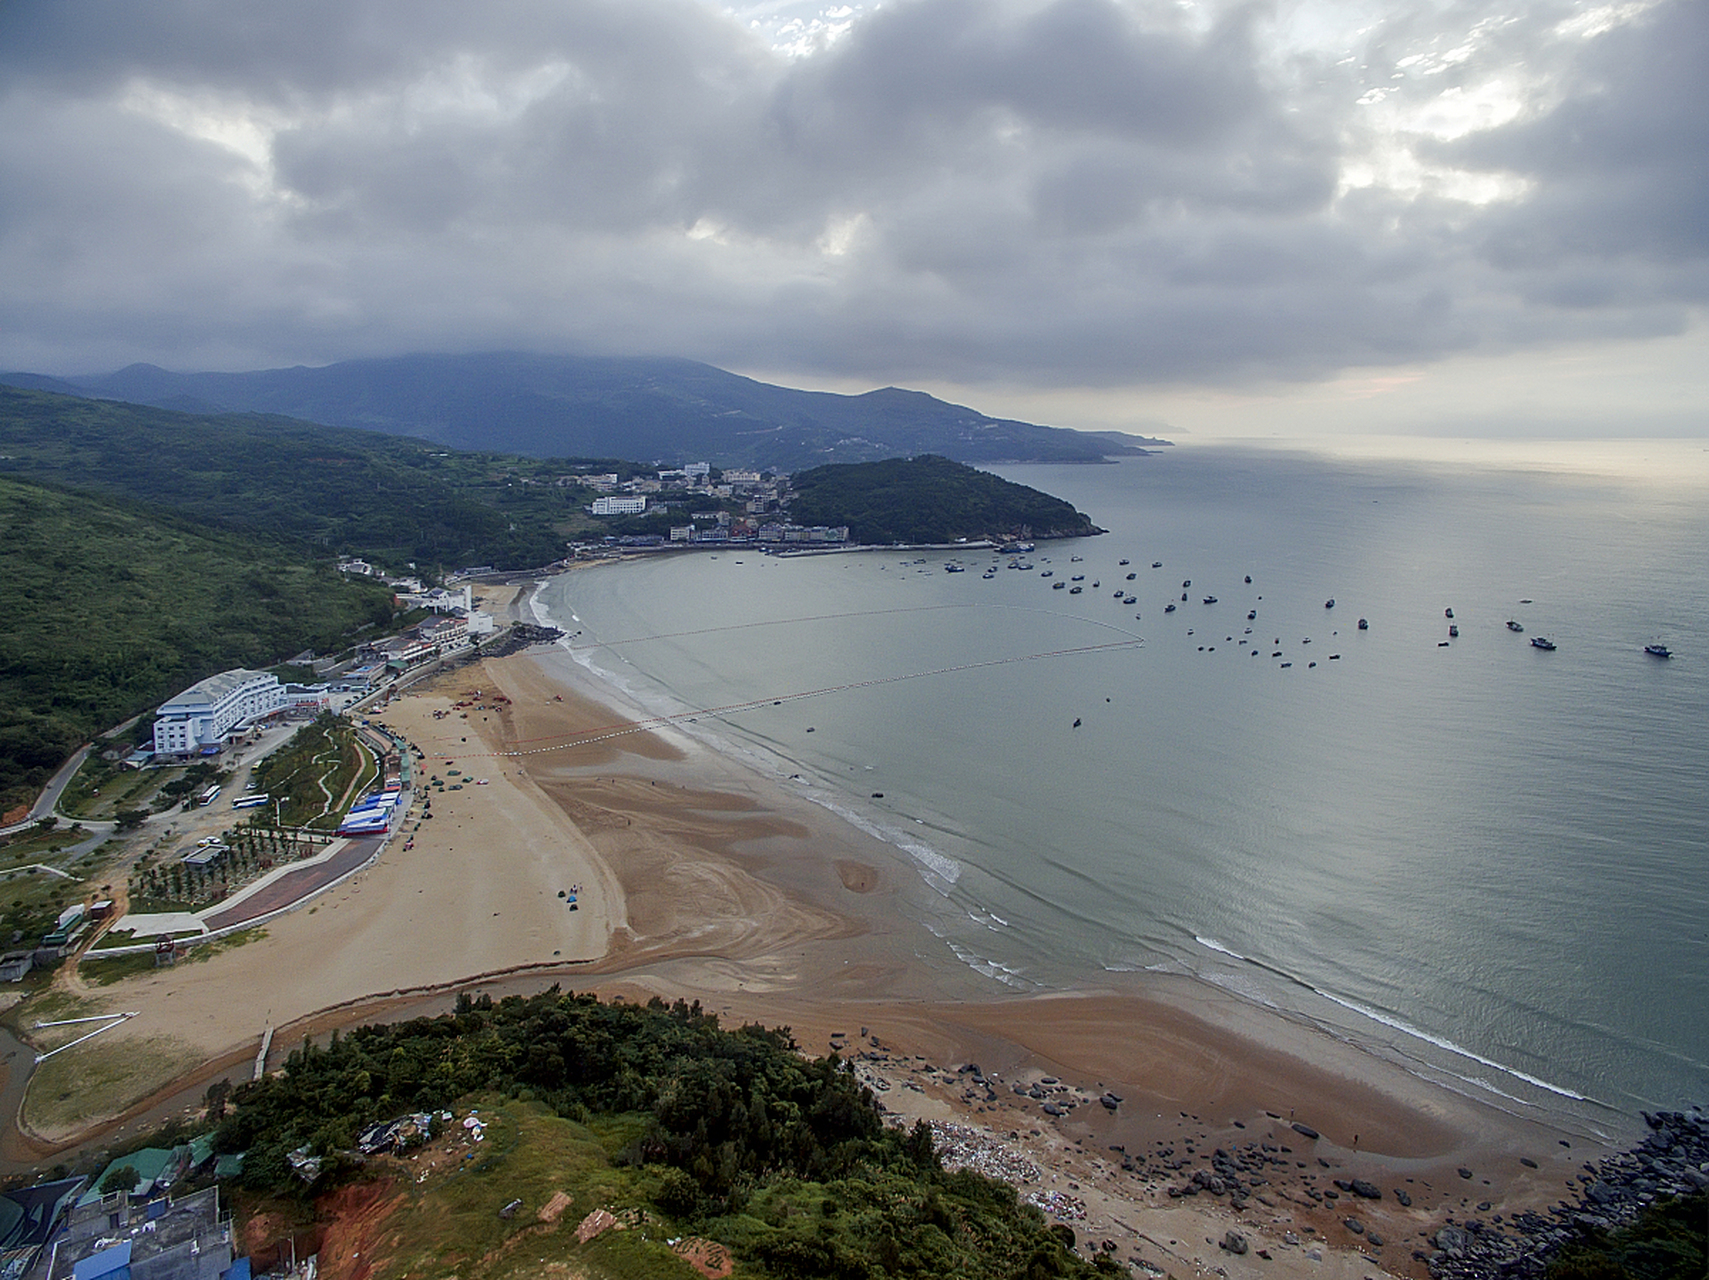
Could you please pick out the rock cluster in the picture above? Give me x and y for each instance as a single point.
(517, 638)
(1236, 1174)
(1672, 1161)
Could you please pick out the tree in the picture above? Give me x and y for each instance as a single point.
(123, 1178)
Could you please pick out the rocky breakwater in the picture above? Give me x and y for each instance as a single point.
(515, 639)
(1672, 1161)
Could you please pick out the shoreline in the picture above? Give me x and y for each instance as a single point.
(1383, 1038)
(706, 879)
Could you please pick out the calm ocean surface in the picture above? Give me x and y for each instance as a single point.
(1489, 861)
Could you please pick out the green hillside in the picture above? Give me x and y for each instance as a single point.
(114, 608)
(928, 499)
(388, 498)
(657, 1115)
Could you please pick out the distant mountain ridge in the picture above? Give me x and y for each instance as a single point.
(637, 407)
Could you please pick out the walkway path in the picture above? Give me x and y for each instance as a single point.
(296, 885)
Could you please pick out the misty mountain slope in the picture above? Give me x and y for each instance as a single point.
(663, 409)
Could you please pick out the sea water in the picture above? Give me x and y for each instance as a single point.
(1482, 859)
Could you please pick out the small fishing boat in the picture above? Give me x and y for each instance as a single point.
(1132, 576)
(1249, 579)
(1657, 651)
(1168, 608)
(1447, 613)
(1453, 631)
(1251, 614)
(1130, 599)
(1057, 586)
(1514, 626)
(1329, 603)
(1210, 599)
(1074, 591)
(1124, 562)
(1156, 564)
(1541, 642)
(1364, 625)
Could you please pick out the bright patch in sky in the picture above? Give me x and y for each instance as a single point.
(798, 30)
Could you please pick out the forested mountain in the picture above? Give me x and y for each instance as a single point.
(648, 409)
(928, 499)
(389, 498)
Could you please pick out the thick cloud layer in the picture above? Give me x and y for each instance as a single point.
(1054, 192)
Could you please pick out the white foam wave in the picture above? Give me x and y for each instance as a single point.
(995, 969)
(1213, 945)
(1406, 1028)
(1442, 1042)
(939, 869)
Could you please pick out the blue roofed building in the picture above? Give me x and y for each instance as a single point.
(119, 1237)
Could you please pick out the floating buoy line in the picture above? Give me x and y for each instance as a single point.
(624, 728)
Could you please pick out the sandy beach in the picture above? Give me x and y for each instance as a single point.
(696, 876)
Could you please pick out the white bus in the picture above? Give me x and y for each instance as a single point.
(251, 802)
(210, 795)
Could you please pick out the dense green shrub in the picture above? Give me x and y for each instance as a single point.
(784, 1158)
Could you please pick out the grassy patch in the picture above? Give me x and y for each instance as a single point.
(231, 942)
(309, 774)
(107, 972)
(101, 788)
(36, 845)
(451, 1224)
(99, 1079)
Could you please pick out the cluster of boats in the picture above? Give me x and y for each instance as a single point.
(1074, 586)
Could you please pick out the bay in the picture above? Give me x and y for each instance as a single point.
(1485, 860)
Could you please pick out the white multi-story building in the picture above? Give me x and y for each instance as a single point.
(618, 506)
(205, 713)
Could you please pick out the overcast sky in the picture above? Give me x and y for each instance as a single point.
(1450, 217)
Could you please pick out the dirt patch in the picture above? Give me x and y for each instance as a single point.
(595, 1224)
(708, 1257)
(554, 1208)
(857, 877)
(357, 1235)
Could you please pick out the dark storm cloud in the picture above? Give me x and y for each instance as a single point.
(1058, 191)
